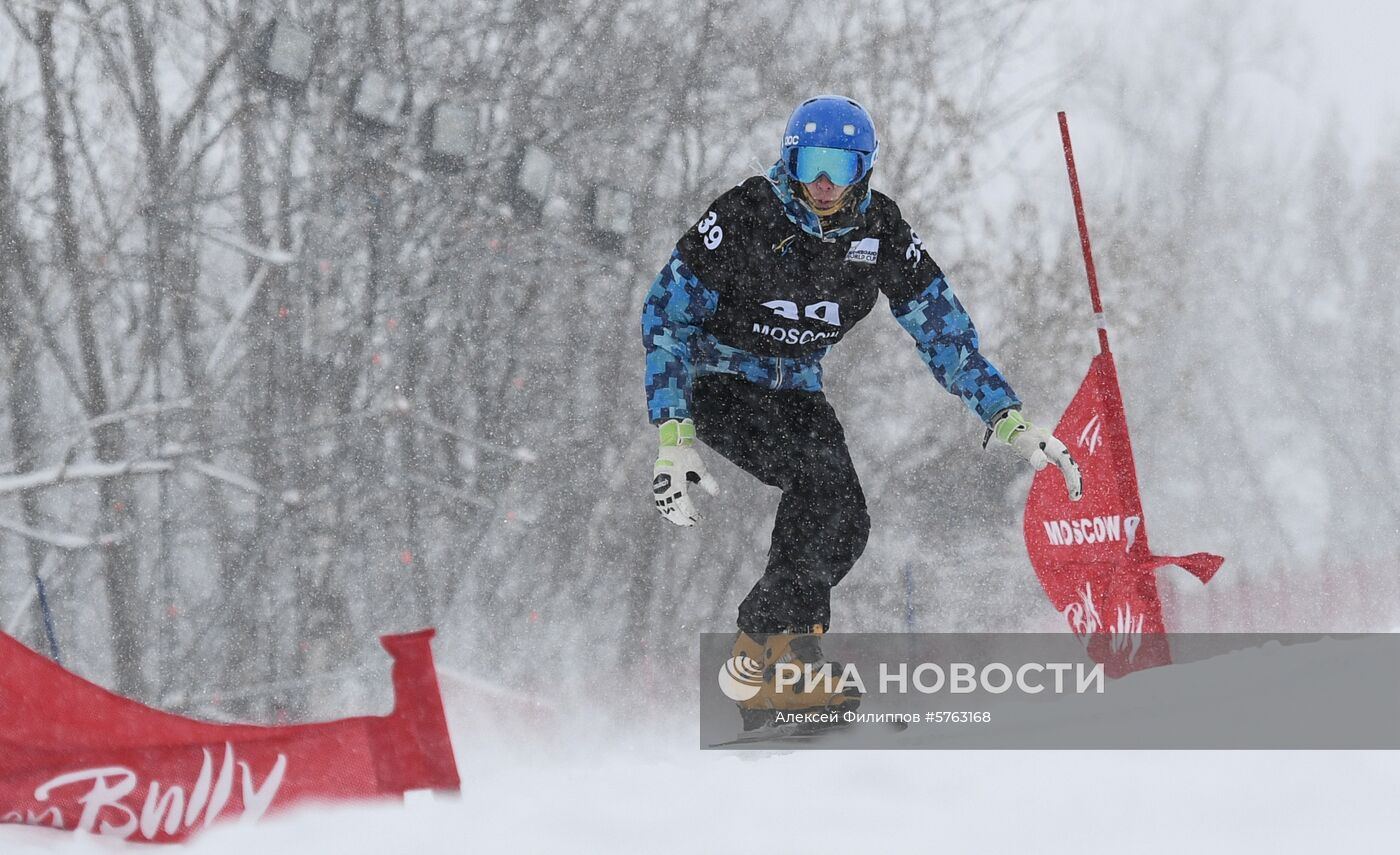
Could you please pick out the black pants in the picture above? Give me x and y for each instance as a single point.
(792, 441)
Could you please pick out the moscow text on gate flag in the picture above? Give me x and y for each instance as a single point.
(74, 756)
(1092, 556)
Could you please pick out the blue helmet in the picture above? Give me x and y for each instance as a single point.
(830, 135)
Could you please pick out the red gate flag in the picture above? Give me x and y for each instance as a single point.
(1092, 555)
(75, 756)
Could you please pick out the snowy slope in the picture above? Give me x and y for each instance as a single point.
(570, 788)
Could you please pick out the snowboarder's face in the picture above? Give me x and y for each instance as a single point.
(824, 193)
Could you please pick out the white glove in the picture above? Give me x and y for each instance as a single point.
(1037, 446)
(678, 465)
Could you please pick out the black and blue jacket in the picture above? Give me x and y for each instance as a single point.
(758, 289)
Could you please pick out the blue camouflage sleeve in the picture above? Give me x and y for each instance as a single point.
(947, 341)
(675, 307)
(924, 304)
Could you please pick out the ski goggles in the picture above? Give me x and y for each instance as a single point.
(842, 166)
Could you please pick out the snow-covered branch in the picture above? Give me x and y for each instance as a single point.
(517, 452)
(245, 303)
(273, 255)
(58, 539)
(243, 482)
(233, 479)
(139, 411)
(56, 475)
(64, 474)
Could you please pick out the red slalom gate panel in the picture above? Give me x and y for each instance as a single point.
(1092, 556)
(75, 756)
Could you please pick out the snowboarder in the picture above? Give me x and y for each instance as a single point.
(775, 273)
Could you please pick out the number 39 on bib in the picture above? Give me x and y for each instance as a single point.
(710, 230)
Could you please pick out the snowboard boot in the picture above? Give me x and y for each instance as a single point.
(803, 650)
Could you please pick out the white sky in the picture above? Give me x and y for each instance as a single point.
(1354, 61)
(1332, 61)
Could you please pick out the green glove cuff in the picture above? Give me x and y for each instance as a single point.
(677, 434)
(1008, 425)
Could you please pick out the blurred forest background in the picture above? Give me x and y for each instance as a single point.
(280, 372)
